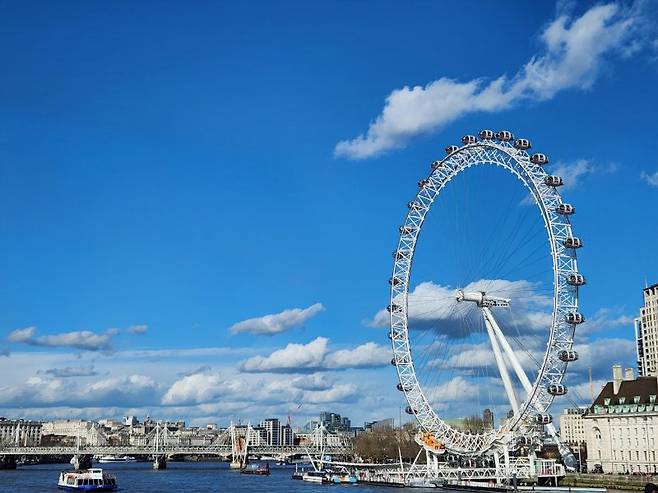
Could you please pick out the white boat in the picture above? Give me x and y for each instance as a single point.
(86, 480)
(108, 459)
(316, 477)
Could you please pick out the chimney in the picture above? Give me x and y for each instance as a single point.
(616, 378)
(629, 374)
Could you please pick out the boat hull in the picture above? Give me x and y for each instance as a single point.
(87, 488)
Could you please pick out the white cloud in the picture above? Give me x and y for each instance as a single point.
(366, 355)
(651, 179)
(293, 357)
(128, 390)
(573, 51)
(83, 339)
(194, 389)
(601, 354)
(341, 392)
(21, 335)
(138, 329)
(455, 389)
(573, 173)
(432, 304)
(117, 391)
(580, 393)
(316, 356)
(278, 322)
(208, 388)
(605, 318)
(315, 381)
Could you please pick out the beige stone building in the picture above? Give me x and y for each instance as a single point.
(646, 333)
(572, 426)
(621, 427)
(90, 433)
(20, 432)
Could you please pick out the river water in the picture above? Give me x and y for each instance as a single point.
(179, 477)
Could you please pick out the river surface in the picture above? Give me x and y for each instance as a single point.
(179, 477)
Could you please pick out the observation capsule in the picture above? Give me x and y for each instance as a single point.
(572, 242)
(504, 135)
(414, 205)
(565, 209)
(423, 183)
(402, 388)
(553, 181)
(486, 134)
(436, 164)
(543, 419)
(574, 318)
(557, 389)
(523, 441)
(451, 149)
(409, 410)
(469, 139)
(522, 144)
(393, 308)
(576, 279)
(539, 158)
(568, 356)
(394, 281)
(405, 230)
(393, 361)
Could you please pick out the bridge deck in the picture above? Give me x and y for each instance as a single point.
(219, 450)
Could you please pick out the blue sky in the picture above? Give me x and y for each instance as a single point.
(168, 173)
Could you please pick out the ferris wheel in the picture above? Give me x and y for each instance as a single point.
(527, 394)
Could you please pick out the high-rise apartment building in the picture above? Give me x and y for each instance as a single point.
(273, 429)
(287, 436)
(646, 334)
(572, 427)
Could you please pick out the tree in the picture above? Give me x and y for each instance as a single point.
(386, 444)
(473, 424)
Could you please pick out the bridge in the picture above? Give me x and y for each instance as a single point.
(223, 451)
(235, 443)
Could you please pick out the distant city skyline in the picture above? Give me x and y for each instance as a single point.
(199, 210)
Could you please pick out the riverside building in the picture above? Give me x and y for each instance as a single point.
(572, 426)
(646, 333)
(20, 432)
(272, 429)
(90, 433)
(621, 427)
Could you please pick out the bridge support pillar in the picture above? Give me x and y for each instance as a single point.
(160, 462)
(82, 462)
(7, 462)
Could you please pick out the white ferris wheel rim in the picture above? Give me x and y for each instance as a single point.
(565, 295)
